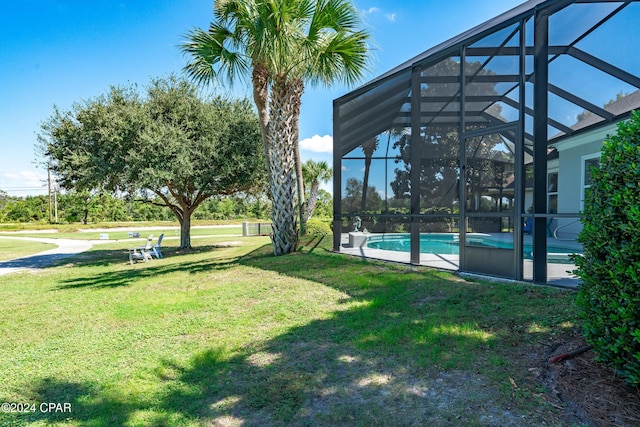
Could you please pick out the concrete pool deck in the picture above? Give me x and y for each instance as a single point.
(558, 274)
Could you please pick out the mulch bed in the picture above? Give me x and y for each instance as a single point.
(587, 392)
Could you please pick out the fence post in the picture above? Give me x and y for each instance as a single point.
(245, 229)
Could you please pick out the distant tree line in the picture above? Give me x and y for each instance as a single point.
(74, 207)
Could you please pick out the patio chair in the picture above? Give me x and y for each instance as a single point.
(142, 253)
(526, 226)
(156, 248)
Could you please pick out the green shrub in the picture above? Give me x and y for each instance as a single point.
(319, 226)
(609, 296)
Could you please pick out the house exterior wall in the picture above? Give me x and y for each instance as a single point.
(571, 155)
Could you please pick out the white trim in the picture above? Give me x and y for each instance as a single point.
(583, 170)
(599, 134)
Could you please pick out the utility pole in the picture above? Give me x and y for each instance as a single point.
(49, 186)
(55, 200)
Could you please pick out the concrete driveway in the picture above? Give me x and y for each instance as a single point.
(66, 248)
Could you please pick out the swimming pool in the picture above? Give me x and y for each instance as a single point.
(449, 244)
(436, 243)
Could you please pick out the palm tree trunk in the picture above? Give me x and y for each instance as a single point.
(365, 182)
(300, 188)
(313, 197)
(284, 104)
(260, 79)
(299, 85)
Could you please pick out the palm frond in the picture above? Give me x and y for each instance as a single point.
(336, 48)
(340, 57)
(338, 15)
(319, 41)
(211, 56)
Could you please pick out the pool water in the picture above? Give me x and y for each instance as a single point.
(448, 244)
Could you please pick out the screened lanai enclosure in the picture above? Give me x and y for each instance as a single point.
(475, 155)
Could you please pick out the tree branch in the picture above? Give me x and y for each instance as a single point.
(177, 210)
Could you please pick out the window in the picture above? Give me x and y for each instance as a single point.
(552, 192)
(588, 162)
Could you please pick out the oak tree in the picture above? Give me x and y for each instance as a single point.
(168, 146)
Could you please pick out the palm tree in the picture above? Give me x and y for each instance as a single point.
(314, 173)
(368, 148)
(282, 44)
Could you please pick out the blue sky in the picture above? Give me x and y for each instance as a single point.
(57, 52)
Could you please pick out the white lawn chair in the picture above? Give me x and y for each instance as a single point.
(143, 253)
(156, 248)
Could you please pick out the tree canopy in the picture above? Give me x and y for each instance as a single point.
(440, 174)
(168, 147)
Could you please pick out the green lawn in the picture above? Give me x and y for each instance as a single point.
(10, 248)
(231, 335)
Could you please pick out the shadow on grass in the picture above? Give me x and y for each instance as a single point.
(406, 348)
(110, 257)
(62, 401)
(172, 262)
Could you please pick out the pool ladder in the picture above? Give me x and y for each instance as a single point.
(555, 232)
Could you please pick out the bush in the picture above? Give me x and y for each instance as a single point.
(319, 226)
(609, 296)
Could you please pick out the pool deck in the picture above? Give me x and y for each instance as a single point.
(557, 274)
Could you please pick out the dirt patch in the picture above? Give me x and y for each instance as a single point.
(587, 392)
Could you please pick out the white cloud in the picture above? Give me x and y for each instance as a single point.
(375, 10)
(318, 144)
(23, 183)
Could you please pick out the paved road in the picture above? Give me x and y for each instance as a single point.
(66, 248)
